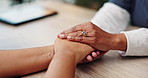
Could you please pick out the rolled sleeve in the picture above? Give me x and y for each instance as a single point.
(111, 18)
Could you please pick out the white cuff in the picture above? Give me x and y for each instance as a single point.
(137, 43)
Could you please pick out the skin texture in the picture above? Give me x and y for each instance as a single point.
(71, 53)
(96, 37)
(14, 63)
(37, 59)
(93, 56)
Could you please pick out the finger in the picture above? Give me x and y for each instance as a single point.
(73, 29)
(68, 30)
(83, 61)
(75, 34)
(94, 54)
(89, 58)
(71, 32)
(62, 32)
(80, 33)
(86, 40)
(98, 53)
(62, 36)
(71, 38)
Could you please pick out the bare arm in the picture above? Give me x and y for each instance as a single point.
(21, 62)
(61, 66)
(64, 61)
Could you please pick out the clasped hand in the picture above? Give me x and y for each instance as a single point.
(96, 37)
(78, 50)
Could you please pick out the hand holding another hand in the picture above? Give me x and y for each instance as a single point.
(78, 50)
(95, 37)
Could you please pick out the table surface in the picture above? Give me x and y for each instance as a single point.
(44, 31)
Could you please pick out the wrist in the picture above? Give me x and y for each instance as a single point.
(66, 55)
(119, 42)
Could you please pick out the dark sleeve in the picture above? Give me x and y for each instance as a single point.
(126, 4)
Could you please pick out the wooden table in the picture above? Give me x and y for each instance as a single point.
(43, 32)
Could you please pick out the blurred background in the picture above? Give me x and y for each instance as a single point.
(92, 4)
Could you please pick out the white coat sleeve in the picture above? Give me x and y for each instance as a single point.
(114, 19)
(137, 42)
(111, 18)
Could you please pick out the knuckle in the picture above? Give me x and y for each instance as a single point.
(93, 33)
(77, 34)
(77, 39)
(80, 38)
(90, 27)
(72, 34)
(73, 29)
(93, 40)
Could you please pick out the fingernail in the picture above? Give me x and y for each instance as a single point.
(98, 53)
(61, 35)
(89, 58)
(94, 54)
(69, 37)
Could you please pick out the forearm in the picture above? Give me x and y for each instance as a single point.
(24, 61)
(67, 55)
(61, 66)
